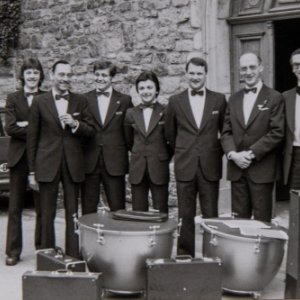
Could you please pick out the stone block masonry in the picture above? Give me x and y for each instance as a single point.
(136, 35)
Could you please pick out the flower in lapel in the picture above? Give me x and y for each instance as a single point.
(262, 106)
(118, 102)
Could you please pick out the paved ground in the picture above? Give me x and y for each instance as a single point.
(11, 277)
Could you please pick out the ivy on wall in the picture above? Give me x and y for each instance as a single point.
(9, 26)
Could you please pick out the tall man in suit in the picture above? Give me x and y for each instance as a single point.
(193, 122)
(292, 135)
(17, 110)
(57, 122)
(252, 133)
(106, 155)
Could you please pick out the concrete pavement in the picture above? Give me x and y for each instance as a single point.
(11, 277)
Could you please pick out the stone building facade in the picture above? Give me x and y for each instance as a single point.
(156, 35)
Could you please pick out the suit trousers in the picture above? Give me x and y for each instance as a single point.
(18, 177)
(249, 197)
(295, 169)
(140, 193)
(187, 195)
(114, 188)
(48, 194)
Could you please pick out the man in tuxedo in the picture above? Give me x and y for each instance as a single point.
(57, 122)
(252, 134)
(193, 123)
(17, 110)
(292, 134)
(106, 155)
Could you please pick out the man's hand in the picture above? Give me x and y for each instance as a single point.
(242, 159)
(68, 119)
(33, 183)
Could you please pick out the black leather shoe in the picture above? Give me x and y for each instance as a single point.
(11, 261)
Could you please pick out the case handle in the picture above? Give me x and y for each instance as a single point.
(183, 258)
(61, 272)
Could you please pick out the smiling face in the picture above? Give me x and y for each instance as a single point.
(147, 91)
(296, 66)
(196, 76)
(31, 78)
(250, 69)
(103, 79)
(61, 77)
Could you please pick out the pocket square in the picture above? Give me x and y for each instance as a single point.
(264, 108)
(161, 123)
(76, 114)
(119, 112)
(215, 112)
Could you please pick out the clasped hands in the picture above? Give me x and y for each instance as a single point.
(242, 159)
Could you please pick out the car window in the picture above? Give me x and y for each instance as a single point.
(2, 123)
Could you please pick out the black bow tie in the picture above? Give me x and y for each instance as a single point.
(200, 93)
(27, 94)
(253, 90)
(298, 90)
(58, 97)
(99, 93)
(147, 105)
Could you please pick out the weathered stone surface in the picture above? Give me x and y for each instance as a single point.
(73, 42)
(143, 34)
(111, 55)
(185, 34)
(176, 70)
(167, 43)
(198, 40)
(36, 42)
(155, 4)
(82, 40)
(170, 84)
(124, 57)
(174, 58)
(161, 56)
(34, 5)
(127, 37)
(160, 69)
(177, 15)
(124, 6)
(78, 7)
(142, 58)
(24, 41)
(196, 13)
(184, 45)
(92, 4)
(179, 3)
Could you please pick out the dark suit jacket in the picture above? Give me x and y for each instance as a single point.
(47, 141)
(151, 145)
(290, 105)
(16, 110)
(109, 136)
(263, 134)
(192, 144)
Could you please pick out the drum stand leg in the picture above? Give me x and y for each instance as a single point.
(256, 295)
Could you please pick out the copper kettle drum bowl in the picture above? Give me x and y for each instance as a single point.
(249, 263)
(119, 249)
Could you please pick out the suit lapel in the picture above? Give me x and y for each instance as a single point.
(185, 105)
(290, 110)
(209, 105)
(239, 108)
(50, 104)
(137, 115)
(261, 100)
(112, 107)
(94, 106)
(22, 103)
(155, 117)
(73, 102)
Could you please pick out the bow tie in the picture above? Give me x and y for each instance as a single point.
(28, 94)
(253, 90)
(298, 90)
(200, 93)
(147, 105)
(58, 97)
(99, 93)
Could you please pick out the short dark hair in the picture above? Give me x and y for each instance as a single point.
(102, 65)
(254, 53)
(31, 63)
(148, 75)
(197, 61)
(293, 54)
(63, 62)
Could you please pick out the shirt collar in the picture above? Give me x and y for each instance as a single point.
(26, 90)
(109, 89)
(258, 86)
(54, 93)
(203, 89)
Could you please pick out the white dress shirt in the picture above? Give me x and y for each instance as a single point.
(297, 122)
(147, 113)
(61, 106)
(103, 103)
(249, 100)
(197, 104)
(29, 98)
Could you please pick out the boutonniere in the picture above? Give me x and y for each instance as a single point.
(118, 102)
(262, 106)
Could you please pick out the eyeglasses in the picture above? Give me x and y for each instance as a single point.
(296, 66)
(252, 68)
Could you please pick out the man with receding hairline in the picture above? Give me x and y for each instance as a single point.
(252, 134)
(58, 120)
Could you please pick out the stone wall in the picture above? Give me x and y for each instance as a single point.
(137, 35)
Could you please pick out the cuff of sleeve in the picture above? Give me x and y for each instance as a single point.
(74, 129)
(31, 173)
(229, 155)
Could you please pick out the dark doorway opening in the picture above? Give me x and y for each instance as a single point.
(287, 40)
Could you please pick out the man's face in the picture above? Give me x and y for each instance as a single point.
(147, 90)
(62, 76)
(103, 79)
(296, 65)
(196, 76)
(31, 78)
(250, 69)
